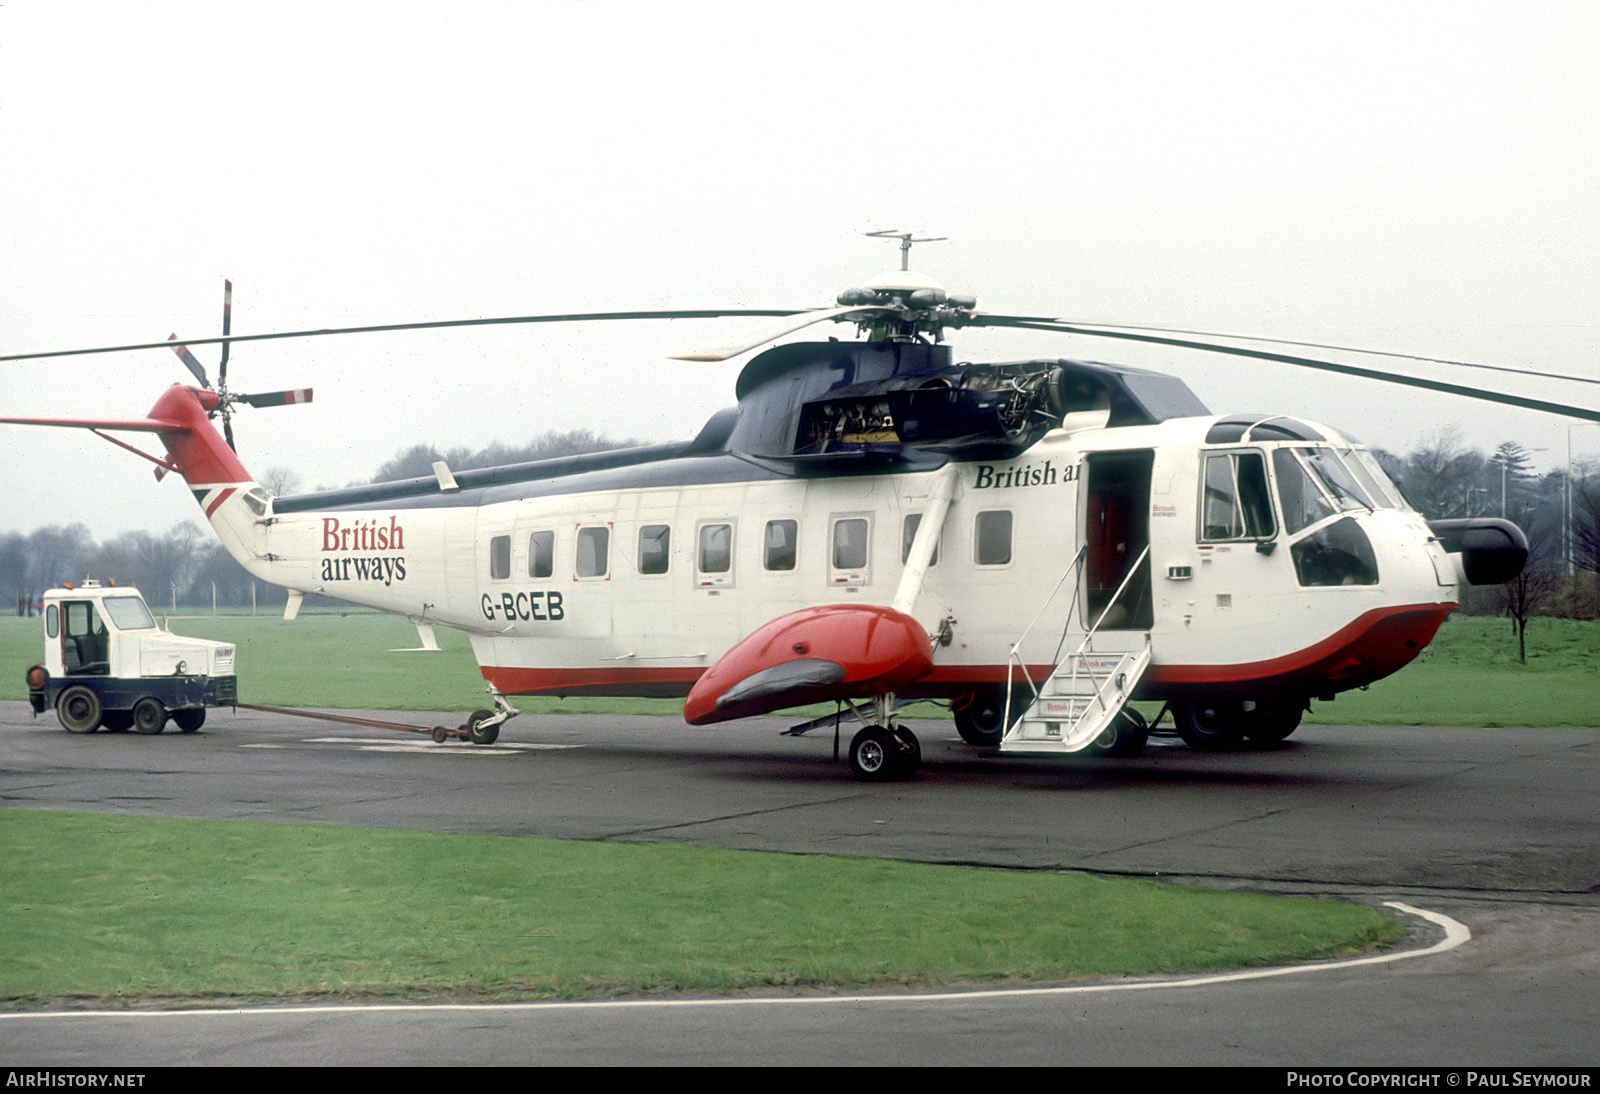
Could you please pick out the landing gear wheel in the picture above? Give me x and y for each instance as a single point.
(980, 717)
(1209, 724)
(877, 755)
(1272, 722)
(1124, 737)
(79, 709)
(439, 734)
(149, 716)
(479, 733)
(189, 720)
(911, 751)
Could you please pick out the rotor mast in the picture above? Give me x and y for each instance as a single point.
(906, 240)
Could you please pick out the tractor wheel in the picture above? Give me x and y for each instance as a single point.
(149, 716)
(79, 709)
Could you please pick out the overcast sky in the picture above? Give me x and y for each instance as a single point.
(1422, 177)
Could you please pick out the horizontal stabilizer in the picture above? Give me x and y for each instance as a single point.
(140, 425)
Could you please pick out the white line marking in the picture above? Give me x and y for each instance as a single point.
(454, 748)
(1456, 934)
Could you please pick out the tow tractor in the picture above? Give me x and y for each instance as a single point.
(107, 663)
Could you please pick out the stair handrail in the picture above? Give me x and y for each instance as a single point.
(1015, 656)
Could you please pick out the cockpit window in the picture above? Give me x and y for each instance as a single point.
(1314, 483)
(1381, 486)
(1302, 499)
(1237, 503)
(1336, 479)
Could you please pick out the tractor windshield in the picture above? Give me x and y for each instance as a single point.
(128, 613)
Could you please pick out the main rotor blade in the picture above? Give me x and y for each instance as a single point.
(1059, 327)
(507, 320)
(227, 329)
(771, 332)
(1009, 320)
(277, 398)
(188, 359)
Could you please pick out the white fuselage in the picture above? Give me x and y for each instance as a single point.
(586, 585)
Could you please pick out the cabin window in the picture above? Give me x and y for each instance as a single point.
(655, 545)
(850, 554)
(850, 544)
(500, 558)
(908, 536)
(1237, 504)
(992, 539)
(52, 626)
(541, 554)
(716, 548)
(593, 552)
(781, 543)
(256, 499)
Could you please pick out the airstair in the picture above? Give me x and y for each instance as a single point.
(1087, 689)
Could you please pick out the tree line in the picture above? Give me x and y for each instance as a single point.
(1442, 478)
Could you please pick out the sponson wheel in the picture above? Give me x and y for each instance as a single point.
(1124, 737)
(877, 755)
(911, 751)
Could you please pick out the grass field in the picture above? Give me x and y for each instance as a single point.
(109, 909)
(1469, 676)
(106, 909)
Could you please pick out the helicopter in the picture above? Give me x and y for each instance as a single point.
(1038, 543)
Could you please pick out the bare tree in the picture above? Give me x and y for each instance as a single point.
(281, 480)
(1442, 477)
(1533, 590)
(1586, 522)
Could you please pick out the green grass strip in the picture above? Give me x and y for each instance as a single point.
(109, 908)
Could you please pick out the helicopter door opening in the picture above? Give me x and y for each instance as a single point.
(1116, 530)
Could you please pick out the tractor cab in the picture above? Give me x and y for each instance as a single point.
(107, 664)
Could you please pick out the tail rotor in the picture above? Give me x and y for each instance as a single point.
(226, 398)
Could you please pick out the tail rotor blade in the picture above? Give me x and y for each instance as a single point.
(189, 361)
(277, 398)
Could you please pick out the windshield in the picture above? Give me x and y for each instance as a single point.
(128, 613)
(1364, 463)
(1316, 483)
